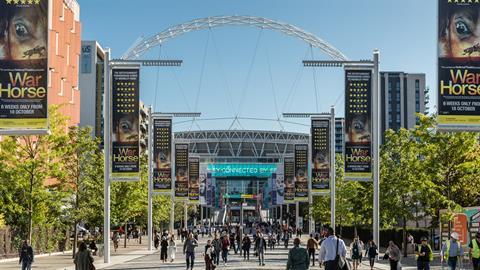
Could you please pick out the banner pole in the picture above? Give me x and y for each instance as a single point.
(376, 149)
(174, 179)
(310, 197)
(106, 162)
(332, 167)
(149, 151)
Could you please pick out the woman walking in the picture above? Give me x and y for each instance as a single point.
(371, 251)
(246, 244)
(209, 256)
(356, 249)
(163, 249)
(393, 253)
(83, 259)
(172, 248)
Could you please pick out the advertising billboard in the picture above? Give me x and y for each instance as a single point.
(203, 184)
(162, 155)
(301, 172)
(320, 158)
(458, 65)
(194, 179)
(181, 171)
(125, 129)
(289, 180)
(24, 66)
(358, 125)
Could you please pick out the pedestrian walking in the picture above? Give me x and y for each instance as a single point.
(217, 248)
(451, 251)
(26, 256)
(189, 250)
(330, 248)
(424, 255)
(232, 242)
(286, 237)
(156, 240)
(298, 258)
(371, 251)
(163, 249)
(260, 248)
(393, 254)
(475, 252)
(271, 241)
(208, 255)
(312, 246)
(83, 258)
(246, 244)
(225, 248)
(356, 248)
(115, 239)
(172, 248)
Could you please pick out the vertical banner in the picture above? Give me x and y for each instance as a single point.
(358, 128)
(203, 184)
(280, 184)
(194, 179)
(181, 171)
(289, 178)
(301, 172)
(458, 65)
(23, 65)
(210, 190)
(125, 121)
(320, 158)
(162, 155)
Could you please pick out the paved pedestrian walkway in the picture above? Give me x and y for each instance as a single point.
(64, 261)
(137, 257)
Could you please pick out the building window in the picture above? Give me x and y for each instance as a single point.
(68, 55)
(56, 43)
(72, 101)
(62, 85)
(62, 14)
(50, 74)
(398, 109)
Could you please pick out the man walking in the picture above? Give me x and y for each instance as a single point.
(328, 250)
(475, 252)
(26, 256)
(312, 246)
(189, 250)
(298, 258)
(260, 248)
(424, 255)
(225, 248)
(217, 248)
(451, 251)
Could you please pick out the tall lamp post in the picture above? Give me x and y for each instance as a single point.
(331, 117)
(170, 115)
(374, 65)
(109, 64)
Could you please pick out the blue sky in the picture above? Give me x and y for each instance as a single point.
(253, 73)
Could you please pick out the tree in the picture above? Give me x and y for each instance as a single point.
(451, 162)
(402, 184)
(83, 169)
(32, 191)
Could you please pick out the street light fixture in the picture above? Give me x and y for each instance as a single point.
(374, 65)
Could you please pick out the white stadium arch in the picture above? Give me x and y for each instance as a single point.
(148, 43)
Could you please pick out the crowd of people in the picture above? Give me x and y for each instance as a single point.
(331, 250)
